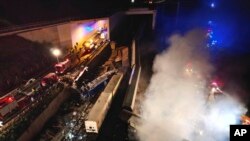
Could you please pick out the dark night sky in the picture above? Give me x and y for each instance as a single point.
(30, 11)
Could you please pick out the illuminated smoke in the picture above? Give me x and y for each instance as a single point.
(175, 107)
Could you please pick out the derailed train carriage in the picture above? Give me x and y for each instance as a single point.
(97, 114)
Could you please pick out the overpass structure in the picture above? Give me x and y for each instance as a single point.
(143, 11)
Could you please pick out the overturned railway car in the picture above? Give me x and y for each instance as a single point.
(100, 109)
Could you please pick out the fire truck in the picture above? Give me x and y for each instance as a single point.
(61, 67)
(49, 80)
(7, 105)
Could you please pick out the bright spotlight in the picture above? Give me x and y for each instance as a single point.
(56, 52)
(212, 5)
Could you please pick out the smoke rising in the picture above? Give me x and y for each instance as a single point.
(175, 107)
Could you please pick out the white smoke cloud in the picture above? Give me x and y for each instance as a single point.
(175, 107)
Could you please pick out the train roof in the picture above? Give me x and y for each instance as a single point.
(105, 98)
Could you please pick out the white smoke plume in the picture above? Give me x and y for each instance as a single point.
(175, 107)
